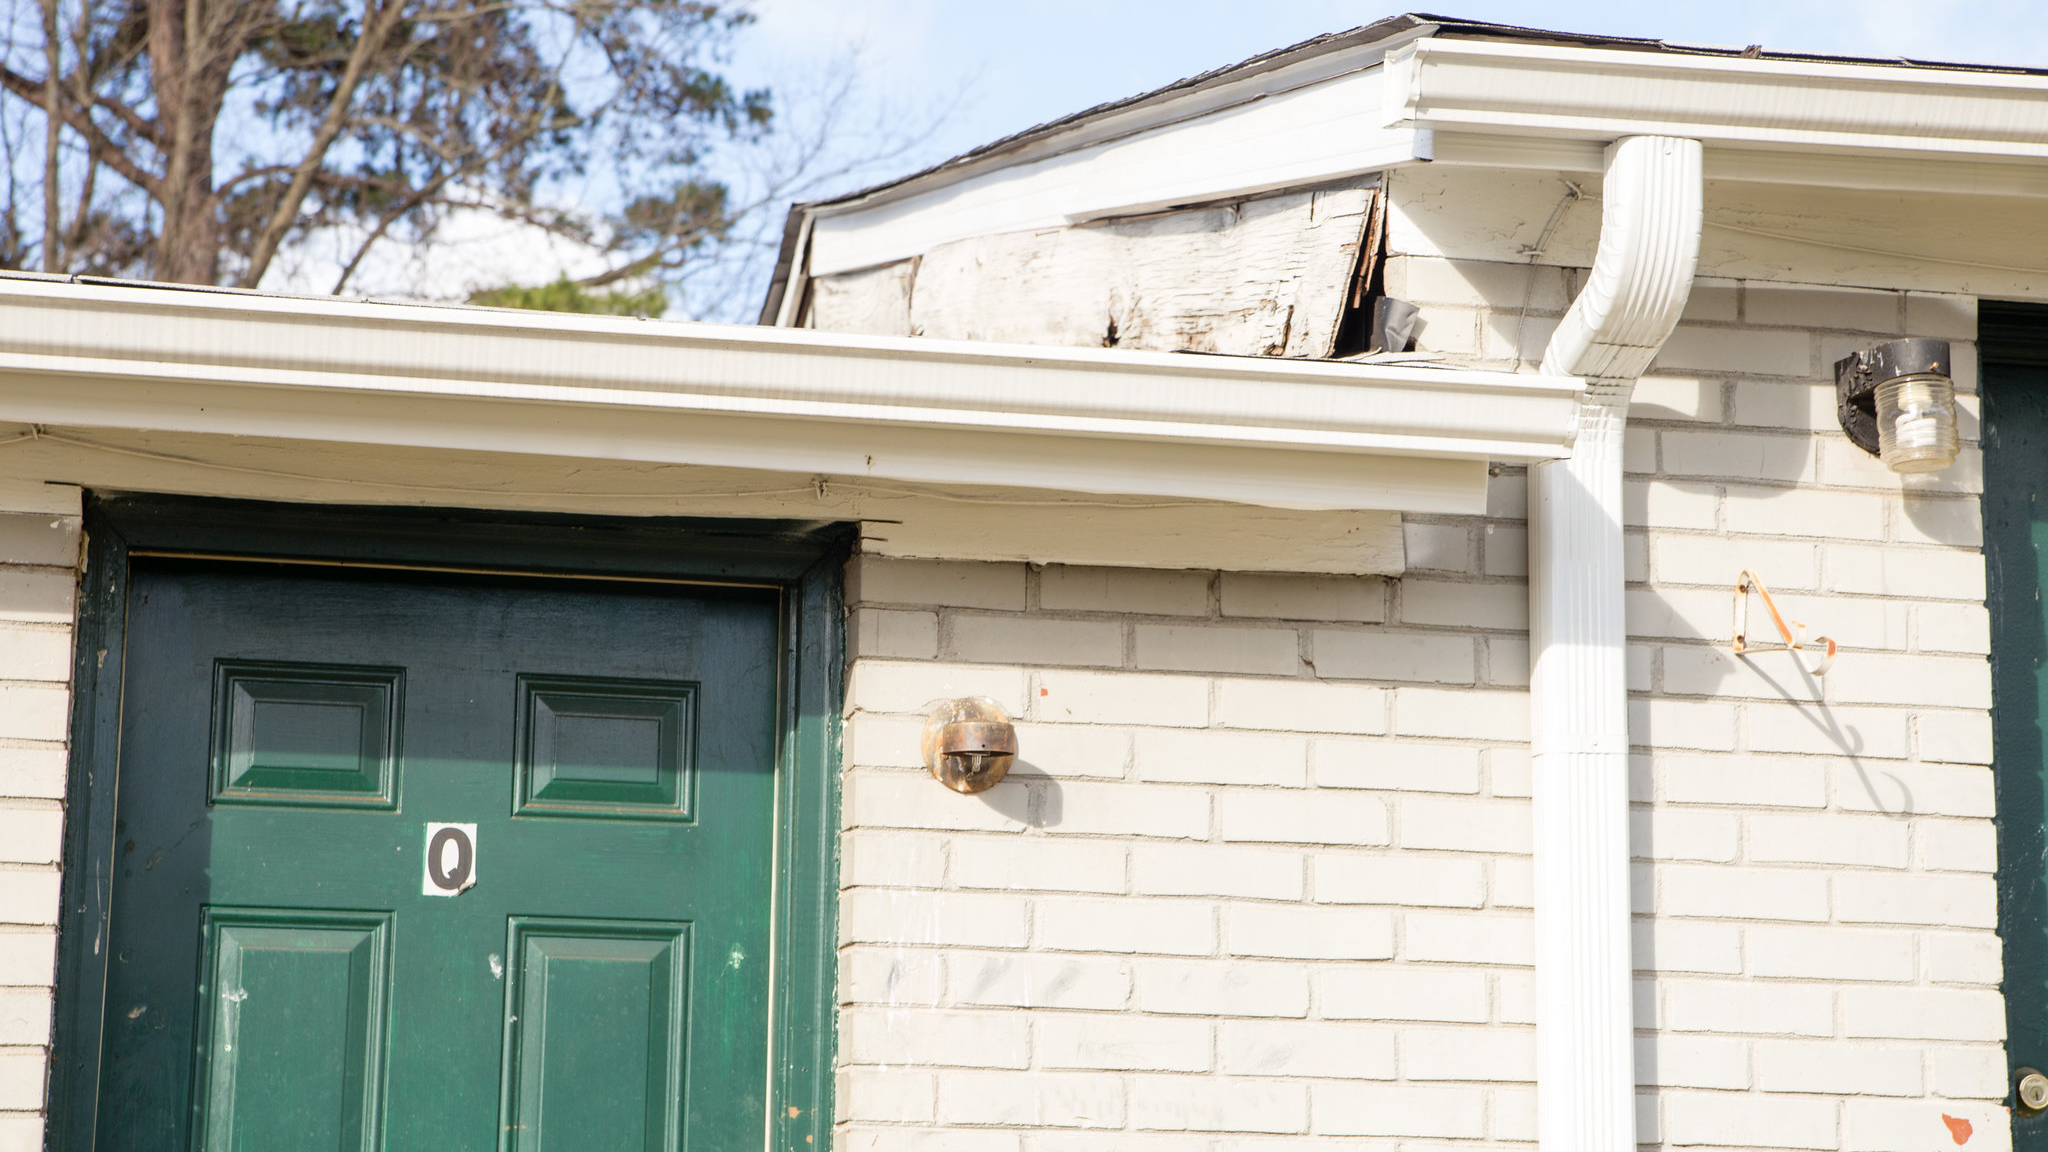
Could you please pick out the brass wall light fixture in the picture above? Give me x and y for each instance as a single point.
(969, 743)
(1897, 401)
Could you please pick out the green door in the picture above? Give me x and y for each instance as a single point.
(440, 863)
(2014, 341)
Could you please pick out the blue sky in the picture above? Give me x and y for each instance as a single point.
(1000, 67)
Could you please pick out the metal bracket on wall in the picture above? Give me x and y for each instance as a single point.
(1794, 634)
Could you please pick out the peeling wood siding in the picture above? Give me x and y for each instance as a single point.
(1264, 277)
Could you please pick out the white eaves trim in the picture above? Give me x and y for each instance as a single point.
(1602, 95)
(1283, 433)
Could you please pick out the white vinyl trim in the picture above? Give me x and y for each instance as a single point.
(1285, 433)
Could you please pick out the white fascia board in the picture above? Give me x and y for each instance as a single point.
(1318, 132)
(1298, 434)
(1601, 95)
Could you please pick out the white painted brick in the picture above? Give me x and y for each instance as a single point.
(1035, 864)
(1910, 1126)
(1297, 933)
(1222, 988)
(1468, 939)
(1830, 953)
(1954, 522)
(1181, 1104)
(1657, 504)
(1454, 331)
(1692, 1062)
(1490, 1054)
(1744, 1006)
(1676, 612)
(1963, 1073)
(1130, 810)
(1680, 834)
(869, 858)
(1507, 771)
(31, 835)
(1042, 1099)
(1466, 825)
(39, 539)
(34, 711)
(901, 686)
(1121, 698)
(898, 1139)
(1795, 404)
(1945, 317)
(1746, 351)
(1402, 992)
(878, 741)
(1035, 640)
(1209, 757)
(1697, 670)
(1869, 732)
(1375, 1110)
(1917, 788)
(1140, 926)
(1837, 1069)
(1139, 590)
(1302, 817)
(1503, 607)
(1748, 1121)
(1804, 512)
(21, 1133)
(28, 898)
(1514, 882)
(879, 916)
(1214, 870)
(1472, 715)
(1197, 648)
(1712, 300)
(1828, 839)
(1920, 573)
(1964, 957)
(1426, 657)
(1682, 724)
(1518, 999)
(1507, 550)
(1741, 893)
(1437, 547)
(1301, 706)
(1937, 901)
(1952, 628)
(949, 583)
(1036, 980)
(898, 977)
(32, 653)
(889, 632)
(1954, 736)
(1477, 284)
(1312, 1050)
(1923, 1013)
(25, 1016)
(1284, 597)
(36, 496)
(1070, 750)
(1800, 306)
(1957, 846)
(1929, 681)
(1506, 660)
(1514, 1114)
(1400, 879)
(1397, 766)
(1676, 397)
(1078, 1140)
(934, 1038)
(1122, 1043)
(27, 958)
(1740, 455)
(1507, 492)
(21, 1080)
(38, 595)
(1706, 560)
(885, 799)
(893, 1096)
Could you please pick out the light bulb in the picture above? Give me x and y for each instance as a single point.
(1916, 422)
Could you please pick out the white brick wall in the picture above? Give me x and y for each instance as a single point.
(1286, 899)
(39, 551)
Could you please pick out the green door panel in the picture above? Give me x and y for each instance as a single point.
(291, 1030)
(279, 977)
(2015, 439)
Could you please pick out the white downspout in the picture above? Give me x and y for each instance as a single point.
(1641, 276)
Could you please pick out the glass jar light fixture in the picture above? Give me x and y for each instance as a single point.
(1897, 401)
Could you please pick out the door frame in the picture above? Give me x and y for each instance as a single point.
(804, 560)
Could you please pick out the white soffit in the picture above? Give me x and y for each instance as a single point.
(1247, 430)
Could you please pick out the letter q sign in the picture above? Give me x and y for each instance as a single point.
(451, 859)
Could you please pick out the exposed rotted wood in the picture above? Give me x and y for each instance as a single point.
(873, 302)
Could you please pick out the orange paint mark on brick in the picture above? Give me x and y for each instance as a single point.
(1957, 1127)
(1043, 692)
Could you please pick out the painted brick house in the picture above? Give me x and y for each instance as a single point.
(1386, 776)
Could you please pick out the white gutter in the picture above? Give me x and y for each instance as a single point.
(1641, 276)
(1303, 434)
